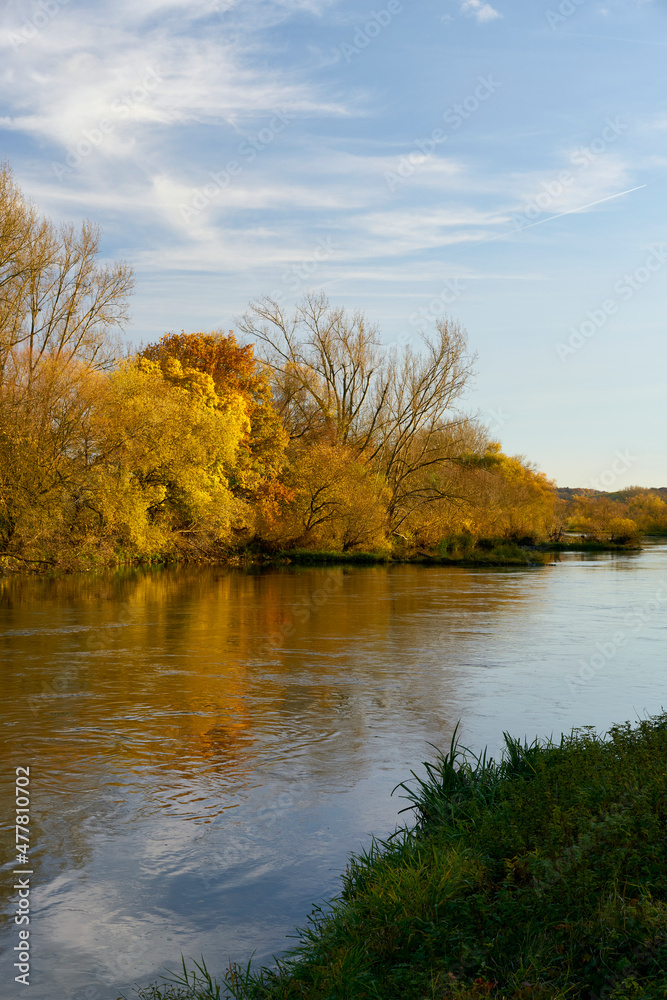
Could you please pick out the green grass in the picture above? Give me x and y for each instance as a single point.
(466, 550)
(458, 550)
(589, 546)
(319, 557)
(543, 875)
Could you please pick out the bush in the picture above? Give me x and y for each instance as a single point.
(623, 531)
(457, 546)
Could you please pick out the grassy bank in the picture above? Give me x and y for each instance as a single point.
(457, 550)
(500, 554)
(454, 550)
(589, 545)
(541, 876)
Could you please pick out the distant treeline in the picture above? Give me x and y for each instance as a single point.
(622, 516)
(311, 434)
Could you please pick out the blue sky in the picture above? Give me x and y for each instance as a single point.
(499, 163)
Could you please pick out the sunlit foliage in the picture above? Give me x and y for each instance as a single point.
(128, 460)
(167, 447)
(334, 502)
(198, 447)
(234, 371)
(622, 516)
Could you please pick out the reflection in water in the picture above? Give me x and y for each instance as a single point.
(207, 746)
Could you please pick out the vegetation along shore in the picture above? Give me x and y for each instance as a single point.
(308, 433)
(543, 875)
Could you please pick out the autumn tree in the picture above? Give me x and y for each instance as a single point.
(621, 516)
(592, 515)
(485, 494)
(335, 381)
(334, 502)
(513, 499)
(234, 371)
(42, 440)
(144, 466)
(161, 454)
(56, 299)
(60, 314)
(647, 509)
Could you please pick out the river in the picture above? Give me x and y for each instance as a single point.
(206, 746)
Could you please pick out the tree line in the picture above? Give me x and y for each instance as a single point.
(308, 432)
(621, 517)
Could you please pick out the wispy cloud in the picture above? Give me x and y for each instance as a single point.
(77, 69)
(480, 10)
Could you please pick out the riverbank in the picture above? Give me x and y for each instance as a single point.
(459, 551)
(462, 550)
(541, 876)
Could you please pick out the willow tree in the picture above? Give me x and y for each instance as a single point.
(57, 300)
(335, 380)
(61, 310)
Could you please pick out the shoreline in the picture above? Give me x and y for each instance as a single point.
(482, 553)
(542, 875)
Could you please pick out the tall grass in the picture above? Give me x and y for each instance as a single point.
(318, 557)
(466, 549)
(541, 875)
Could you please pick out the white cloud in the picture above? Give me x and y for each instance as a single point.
(543, 194)
(481, 11)
(81, 68)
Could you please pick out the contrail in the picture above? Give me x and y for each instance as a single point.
(571, 211)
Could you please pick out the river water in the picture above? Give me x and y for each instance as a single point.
(207, 746)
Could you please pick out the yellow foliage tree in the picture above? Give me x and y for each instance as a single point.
(516, 500)
(232, 370)
(164, 450)
(129, 459)
(487, 494)
(334, 503)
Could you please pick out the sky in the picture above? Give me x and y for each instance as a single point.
(499, 164)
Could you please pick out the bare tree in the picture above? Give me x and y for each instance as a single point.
(21, 231)
(60, 311)
(327, 367)
(333, 377)
(56, 299)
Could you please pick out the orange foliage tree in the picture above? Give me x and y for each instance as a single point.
(235, 371)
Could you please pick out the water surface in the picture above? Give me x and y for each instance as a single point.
(207, 746)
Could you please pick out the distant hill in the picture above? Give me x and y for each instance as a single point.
(571, 492)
